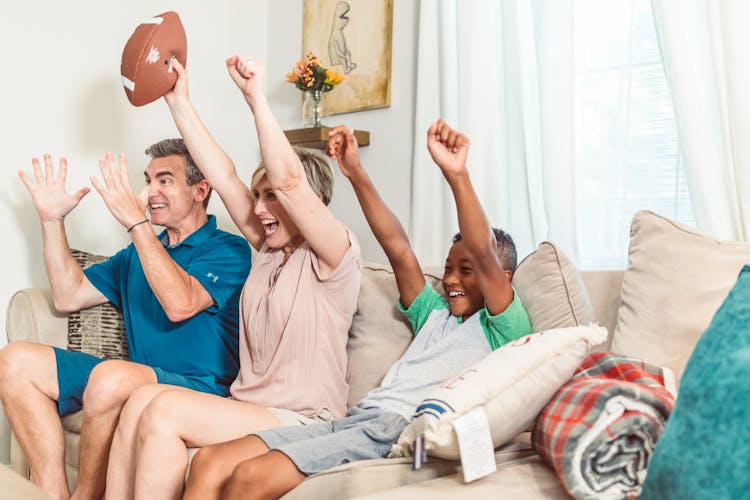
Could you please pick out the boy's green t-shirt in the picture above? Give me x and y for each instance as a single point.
(499, 329)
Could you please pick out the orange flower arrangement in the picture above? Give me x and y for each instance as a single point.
(308, 74)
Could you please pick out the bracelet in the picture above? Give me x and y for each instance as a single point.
(137, 224)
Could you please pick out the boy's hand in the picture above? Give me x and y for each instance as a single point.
(247, 74)
(342, 147)
(51, 200)
(448, 147)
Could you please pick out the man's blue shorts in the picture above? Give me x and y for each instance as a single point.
(74, 368)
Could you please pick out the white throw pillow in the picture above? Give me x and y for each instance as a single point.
(674, 283)
(512, 383)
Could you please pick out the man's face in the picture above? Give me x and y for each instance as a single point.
(460, 283)
(170, 199)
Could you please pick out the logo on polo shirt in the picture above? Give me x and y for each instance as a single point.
(212, 277)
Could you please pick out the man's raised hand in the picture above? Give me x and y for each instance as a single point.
(117, 192)
(51, 200)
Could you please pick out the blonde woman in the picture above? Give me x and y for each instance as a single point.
(295, 311)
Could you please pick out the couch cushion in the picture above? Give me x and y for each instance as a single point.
(675, 281)
(524, 478)
(380, 333)
(97, 330)
(704, 450)
(551, 290)
(371, 476)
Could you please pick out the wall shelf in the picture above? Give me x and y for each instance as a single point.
(317, 137)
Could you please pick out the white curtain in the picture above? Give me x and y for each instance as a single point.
(501, 72)
(704, 47)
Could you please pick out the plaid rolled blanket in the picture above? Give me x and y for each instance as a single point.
(599, 430)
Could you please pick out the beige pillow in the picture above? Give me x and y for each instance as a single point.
(674, 283)
(380, 333)
(552, 290)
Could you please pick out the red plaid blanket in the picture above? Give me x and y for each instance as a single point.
(599, 430)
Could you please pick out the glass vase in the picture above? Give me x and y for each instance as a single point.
(312, 108)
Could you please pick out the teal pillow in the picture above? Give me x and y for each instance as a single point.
(704, 451)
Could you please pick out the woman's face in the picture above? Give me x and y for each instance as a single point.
(279, 229)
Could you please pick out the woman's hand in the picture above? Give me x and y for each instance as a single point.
(248, 74)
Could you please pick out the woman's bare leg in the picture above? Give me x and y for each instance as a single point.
(121, 469)
(176, 420)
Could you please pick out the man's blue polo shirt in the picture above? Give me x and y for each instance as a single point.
(204, 346)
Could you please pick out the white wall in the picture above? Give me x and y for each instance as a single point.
(61, 94)
(388, 158)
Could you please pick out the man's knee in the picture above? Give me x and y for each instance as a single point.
(23, 362)
(110, 384)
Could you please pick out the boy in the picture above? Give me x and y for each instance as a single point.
(481, 313)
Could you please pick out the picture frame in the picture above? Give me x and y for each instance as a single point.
(351, 37)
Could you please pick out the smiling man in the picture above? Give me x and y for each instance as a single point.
(178, 292)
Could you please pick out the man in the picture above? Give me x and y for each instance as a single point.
(178, 292)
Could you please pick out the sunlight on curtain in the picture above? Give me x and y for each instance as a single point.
(628, 154)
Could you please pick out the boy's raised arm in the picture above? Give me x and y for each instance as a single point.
(342, 147)
(449, 149)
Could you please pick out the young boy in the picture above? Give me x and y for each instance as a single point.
(481, 313)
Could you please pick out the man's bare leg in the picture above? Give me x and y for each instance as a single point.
(110, 384)
(269, 475)
(29, 392)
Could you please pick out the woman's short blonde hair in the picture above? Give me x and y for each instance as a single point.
(317, 170)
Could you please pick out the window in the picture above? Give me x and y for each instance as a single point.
(628, 154)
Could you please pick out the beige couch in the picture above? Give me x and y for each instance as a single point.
(555, 294)
(379, 335)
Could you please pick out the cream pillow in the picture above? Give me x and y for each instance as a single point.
(674, 283)
(512, 383)
(552, 290)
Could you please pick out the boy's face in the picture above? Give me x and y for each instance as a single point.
(460, 283)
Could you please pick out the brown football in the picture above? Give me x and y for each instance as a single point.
(146, 66)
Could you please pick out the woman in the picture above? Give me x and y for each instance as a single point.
(296, 307)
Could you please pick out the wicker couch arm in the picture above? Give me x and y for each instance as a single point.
(32, 317)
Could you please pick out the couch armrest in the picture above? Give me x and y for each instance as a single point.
(32, 317)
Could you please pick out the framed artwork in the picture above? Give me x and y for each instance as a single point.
(352, 37)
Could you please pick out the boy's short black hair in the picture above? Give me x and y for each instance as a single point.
(506, 249)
